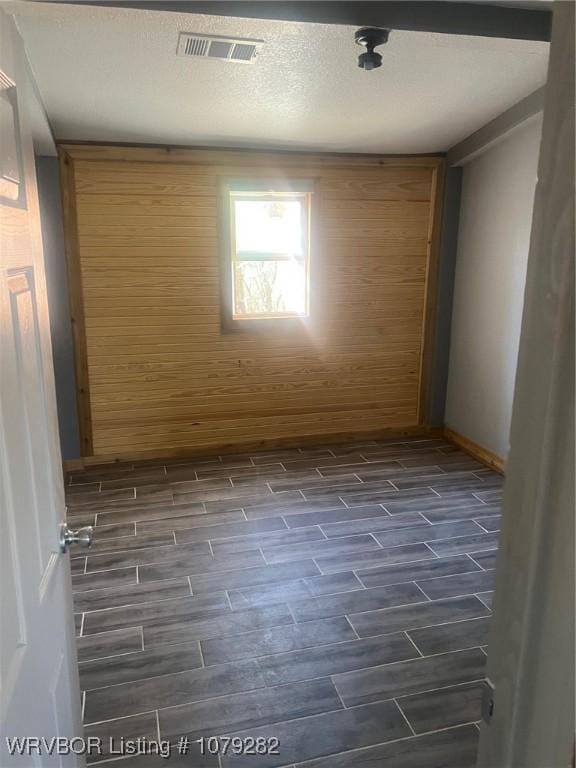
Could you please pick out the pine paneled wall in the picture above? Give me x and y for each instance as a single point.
(157, 375)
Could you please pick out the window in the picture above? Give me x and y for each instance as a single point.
(268, 265)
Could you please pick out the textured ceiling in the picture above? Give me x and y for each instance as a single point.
(112, 75)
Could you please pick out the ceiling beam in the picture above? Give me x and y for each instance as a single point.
(451, 18)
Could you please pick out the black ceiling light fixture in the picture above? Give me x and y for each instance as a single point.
(370, 37)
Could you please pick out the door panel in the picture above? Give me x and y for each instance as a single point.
(39, 686)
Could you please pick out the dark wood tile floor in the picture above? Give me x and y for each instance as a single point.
(336, 599)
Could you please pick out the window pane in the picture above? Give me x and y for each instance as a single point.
(269, 254)
(269, 226)
(269, 288)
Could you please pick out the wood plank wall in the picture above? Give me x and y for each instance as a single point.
(158, 376)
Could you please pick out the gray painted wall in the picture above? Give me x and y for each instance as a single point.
(446, 269)
(493, 240)
(57, 285)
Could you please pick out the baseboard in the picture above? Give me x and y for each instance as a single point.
(73, 465)
(260, 445)
(476, 451)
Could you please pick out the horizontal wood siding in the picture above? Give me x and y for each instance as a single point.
(164, 377)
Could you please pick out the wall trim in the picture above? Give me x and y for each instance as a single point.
(497, 129)
(210, 155)
(263, 445)
(428, 349)
(448, 251)
(72, 249)
(475, 450)
(73, 465)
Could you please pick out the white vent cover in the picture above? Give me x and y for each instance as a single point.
(223, 48)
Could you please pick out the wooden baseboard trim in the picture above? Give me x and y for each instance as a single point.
(73, 465)
(476, 451)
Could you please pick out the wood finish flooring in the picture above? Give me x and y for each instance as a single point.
(334, 598)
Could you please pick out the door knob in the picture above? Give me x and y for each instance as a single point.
(83, 536)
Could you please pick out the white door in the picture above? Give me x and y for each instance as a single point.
(38, 677)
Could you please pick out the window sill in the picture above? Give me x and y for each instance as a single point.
(276, 325)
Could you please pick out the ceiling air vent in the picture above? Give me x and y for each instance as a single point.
(223, 48)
